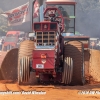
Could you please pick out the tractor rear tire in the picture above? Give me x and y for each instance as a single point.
(24, 69)
(24, 57)
(75, 50)
(67, 71)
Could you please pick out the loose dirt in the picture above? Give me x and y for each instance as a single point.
(8, 64)
(49, 92)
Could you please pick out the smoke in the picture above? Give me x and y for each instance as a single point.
(88, 17)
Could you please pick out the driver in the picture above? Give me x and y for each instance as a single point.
(66, 19)
(52, 15)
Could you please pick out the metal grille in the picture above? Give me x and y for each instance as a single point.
(45, 38)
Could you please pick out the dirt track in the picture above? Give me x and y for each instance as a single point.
(50, 92)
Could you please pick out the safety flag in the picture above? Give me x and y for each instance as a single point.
(18, 15)
(36, 9)
(35, 13)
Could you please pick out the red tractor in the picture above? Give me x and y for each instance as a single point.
(50, 53)
(12, 39)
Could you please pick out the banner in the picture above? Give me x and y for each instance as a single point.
(35, 8)
(38, 10)
(18, 15)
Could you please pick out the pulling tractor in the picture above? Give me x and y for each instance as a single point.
(50, 52)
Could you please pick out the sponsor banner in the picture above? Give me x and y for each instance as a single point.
(18, 15)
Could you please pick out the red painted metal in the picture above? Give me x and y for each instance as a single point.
(50, 59)
(16, 34)
(83, 39)
(86, 45)
(59, 13)
(43, 23)
(48, 23)
(48, 53)
(10, 43)
(13, 32)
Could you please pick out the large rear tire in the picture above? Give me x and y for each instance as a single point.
(75, 50)
(67, 71)
(24, 69)
(24, 57)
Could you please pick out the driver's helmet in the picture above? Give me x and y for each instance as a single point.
(61, 8)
